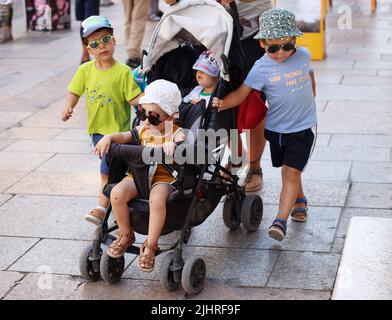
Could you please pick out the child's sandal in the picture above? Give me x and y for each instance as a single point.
(300, 214)
(278, 229)
(147, 261)
(118, 247)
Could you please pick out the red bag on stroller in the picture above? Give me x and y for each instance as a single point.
(251, 111)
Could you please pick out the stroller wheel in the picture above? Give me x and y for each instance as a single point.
(230, 216)
(193, 275)
(166, 276)
(252, 212)
(111, 269)
(86, 266)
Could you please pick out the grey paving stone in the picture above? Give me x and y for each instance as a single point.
(17, 161)
(44, 287)
(73, 134)
(369, 107)
(350, 123)
(54, 256)
(377, 141)
(71, 163)
(16, 103)
(305, 270)
(30, 133)
(349, 213)
(8, 280)
(354, 92)
(8, 178)
(4, 143)
(319, 193)
(12, 248)
(52, 146)
(230, 266)
(67, 184)
(4, 198)
(357, 280)
(316, 235)
(320, 72)
(316, 170)
(373, 172)
(352, 154)
(370, 195)
(47, 217)
(152, 290)
(50, 118)
(338, 245)
(371, 80)
(8, 118)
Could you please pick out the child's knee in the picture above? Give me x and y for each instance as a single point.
(291, 173)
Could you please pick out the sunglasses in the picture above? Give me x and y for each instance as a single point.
(274, 48)
(152, 117)
(95, 43)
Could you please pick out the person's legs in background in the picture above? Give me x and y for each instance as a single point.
(135, 13)
(153, 13)
(83, 10)
(255, 139)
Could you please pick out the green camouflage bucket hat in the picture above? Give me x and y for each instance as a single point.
(277, 23)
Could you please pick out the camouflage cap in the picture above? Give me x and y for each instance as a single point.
(277, 23)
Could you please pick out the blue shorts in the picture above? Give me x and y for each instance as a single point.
(103, 167)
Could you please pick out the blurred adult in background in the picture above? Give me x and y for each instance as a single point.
(106, 3)
(154, 14)
(135, 12)
(83, 10)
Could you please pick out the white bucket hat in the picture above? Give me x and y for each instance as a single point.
(163, 93)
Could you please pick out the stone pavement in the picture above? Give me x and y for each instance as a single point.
(49, 175)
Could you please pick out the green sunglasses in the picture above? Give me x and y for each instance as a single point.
(95, 43)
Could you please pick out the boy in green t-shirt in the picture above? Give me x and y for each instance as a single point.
(109, 89)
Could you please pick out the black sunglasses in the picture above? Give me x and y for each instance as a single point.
(152, 117)
(274, 48)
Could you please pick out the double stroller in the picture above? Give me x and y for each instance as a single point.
(186, 30)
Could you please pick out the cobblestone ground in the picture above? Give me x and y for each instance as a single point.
(49, 180)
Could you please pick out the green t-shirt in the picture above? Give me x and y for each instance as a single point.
(107, 94)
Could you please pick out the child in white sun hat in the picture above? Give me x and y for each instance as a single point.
(157, 110)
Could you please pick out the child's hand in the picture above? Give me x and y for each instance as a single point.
(196, 100)
(103, 146)
(66, 114)
(169, 148)
(217, 103)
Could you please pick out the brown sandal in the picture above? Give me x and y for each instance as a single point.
(229, 166)
(117, 246)
(249, 175)
(148, 260)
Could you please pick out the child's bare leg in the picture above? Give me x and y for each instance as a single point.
(121, 194)
(291, 183)
(158, 198)
(300, 215)
(103, 200)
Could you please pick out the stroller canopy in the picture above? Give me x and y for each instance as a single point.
(197, 22)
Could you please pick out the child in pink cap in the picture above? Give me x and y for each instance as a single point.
(207, 76)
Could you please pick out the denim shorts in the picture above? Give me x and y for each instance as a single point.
(86, 8)
(103, 167)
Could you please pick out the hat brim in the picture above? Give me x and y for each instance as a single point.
(95, 28)
(263, 35)
(200, 68)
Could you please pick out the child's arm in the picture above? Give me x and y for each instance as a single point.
(233, 99)
(72, 101)
(313, 82)
(103, 145)
(170, 147)
(135, 101)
